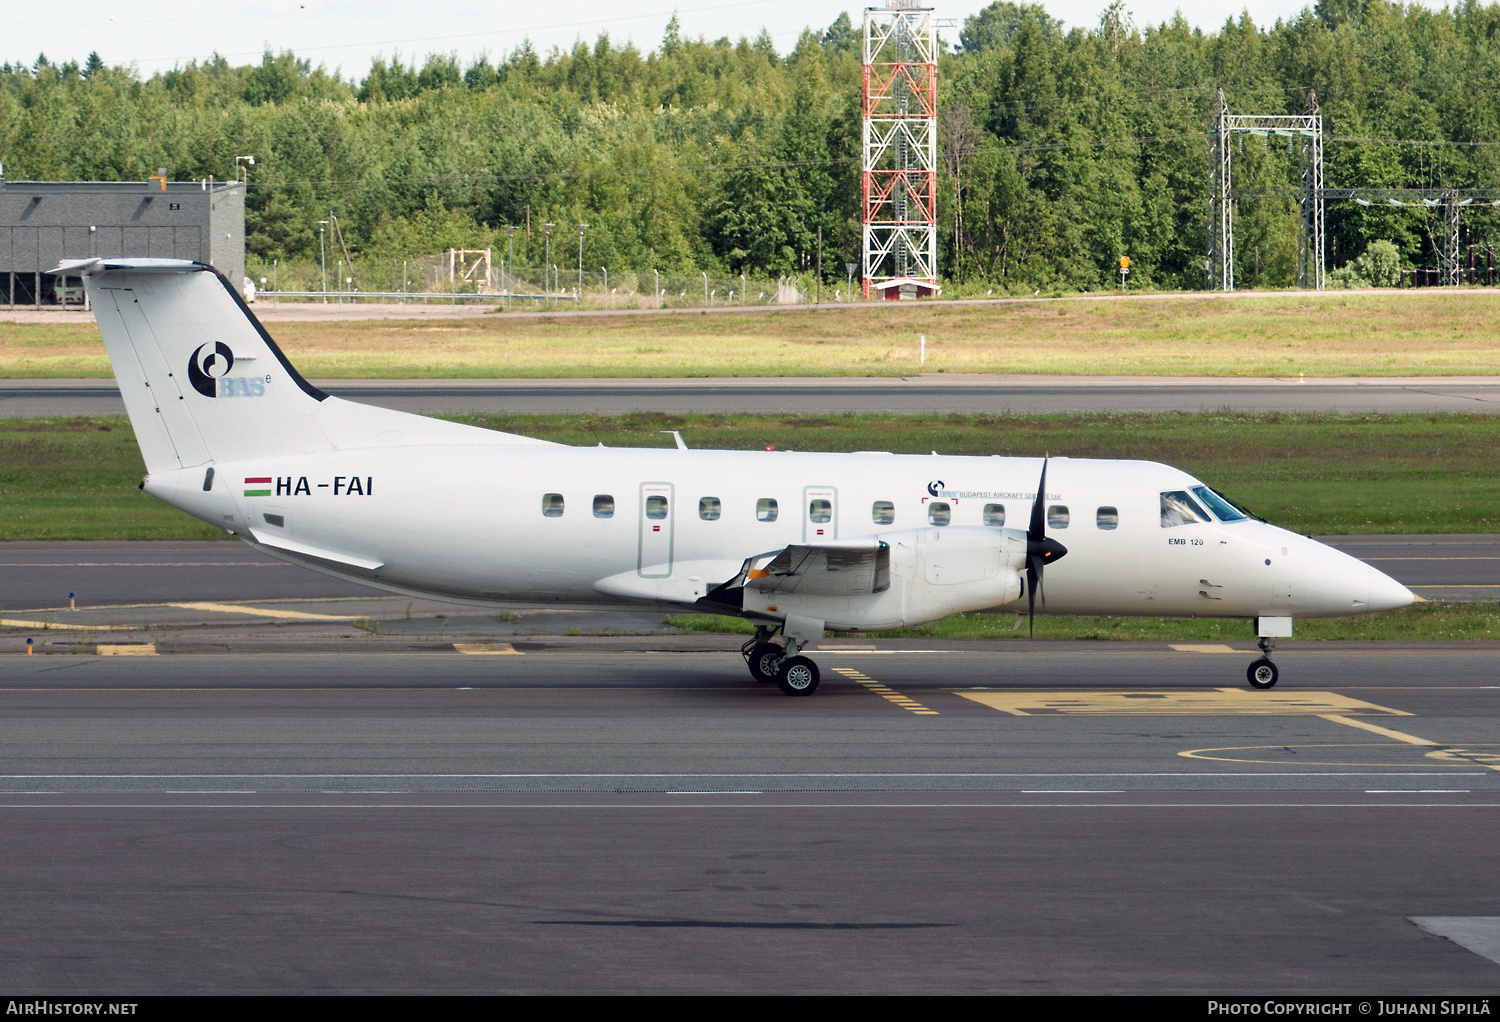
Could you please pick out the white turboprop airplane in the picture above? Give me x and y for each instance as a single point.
(796, 543)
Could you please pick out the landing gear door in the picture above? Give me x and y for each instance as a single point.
(820, 513)
(656, 512)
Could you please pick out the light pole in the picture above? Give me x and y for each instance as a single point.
(820, 266)
(849, 268)
(578, 298)
(605, 270)
(657, 293)
(239, 164)
(323, 258)
(705, 288)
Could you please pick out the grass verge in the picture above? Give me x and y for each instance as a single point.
(1423, 621)
(1402, 333)
(1319, 474)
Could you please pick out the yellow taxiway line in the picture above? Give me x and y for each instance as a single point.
(886, 692)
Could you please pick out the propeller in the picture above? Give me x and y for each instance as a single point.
(1040, 551)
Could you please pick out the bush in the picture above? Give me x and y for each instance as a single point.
(1378, 266)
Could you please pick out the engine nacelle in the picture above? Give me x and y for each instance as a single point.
(929, 574)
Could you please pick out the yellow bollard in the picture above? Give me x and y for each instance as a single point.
(28, 647)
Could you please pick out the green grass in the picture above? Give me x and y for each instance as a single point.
(1429, 331)
(1319, 474)
(1423, 621)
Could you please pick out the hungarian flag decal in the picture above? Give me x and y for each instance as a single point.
(257, 486)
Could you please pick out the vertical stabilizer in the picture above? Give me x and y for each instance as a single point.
(203, 382)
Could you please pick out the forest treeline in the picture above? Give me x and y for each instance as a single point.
(1062, 148)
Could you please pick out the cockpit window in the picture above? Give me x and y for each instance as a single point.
(1226, 511)
(1178, 508)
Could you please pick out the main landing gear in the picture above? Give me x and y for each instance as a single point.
(794, 674)
(1263, 673)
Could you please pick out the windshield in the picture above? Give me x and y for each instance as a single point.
(1226, 511)
(1177, 508)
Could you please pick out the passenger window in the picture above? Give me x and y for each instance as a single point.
(994, 514)
(882, 512)
(765, 509)
(1057, 516)
(939, 513)
(604, 506)
(1108, 518)
(656, 507)
(709, 509)
(820, 512)
(1177, 508)
(552, 505)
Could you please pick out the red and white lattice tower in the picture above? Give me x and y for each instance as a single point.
(900, 149)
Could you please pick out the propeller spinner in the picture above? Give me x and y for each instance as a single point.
(1040, 551)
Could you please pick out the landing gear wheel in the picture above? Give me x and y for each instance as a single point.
(762, 659)
(1262, 674)
(798, 676)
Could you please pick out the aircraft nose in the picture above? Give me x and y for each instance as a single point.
(1388, 594)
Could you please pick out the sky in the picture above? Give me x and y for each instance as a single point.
(156, 35)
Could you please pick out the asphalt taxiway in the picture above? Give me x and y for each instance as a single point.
(614, 815)
(947, 393)
(275, 781)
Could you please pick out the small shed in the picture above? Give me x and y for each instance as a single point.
(44, 222)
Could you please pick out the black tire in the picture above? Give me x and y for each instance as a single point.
(798, 676)
(1262, 674)
(762, 661)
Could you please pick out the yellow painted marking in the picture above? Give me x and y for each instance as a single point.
(1196, 703)
(1238, 754)
(1400, 736)
(146, 649)
(886, 692)
(1453, 754)
(234, 608)
(487, 648)
(826, 646)
(1209, 648)
(10, 622)
(1467, 757)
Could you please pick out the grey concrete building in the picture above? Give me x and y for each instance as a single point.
(44, 222)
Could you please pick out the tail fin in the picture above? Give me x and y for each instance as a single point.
(204, 382)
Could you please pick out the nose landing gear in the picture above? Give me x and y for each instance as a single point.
(1263, 673)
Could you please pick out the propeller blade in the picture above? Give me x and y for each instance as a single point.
(1032, 578)
(1039, 550)
(1037, 531)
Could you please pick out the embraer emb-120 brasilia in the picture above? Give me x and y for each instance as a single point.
(796, 543)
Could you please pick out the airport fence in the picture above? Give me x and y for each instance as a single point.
(473, 281)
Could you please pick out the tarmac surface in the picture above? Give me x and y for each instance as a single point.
(993, 394)
(578, 817)
(265, 796)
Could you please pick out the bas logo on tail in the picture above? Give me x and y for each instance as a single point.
(207, 369)
(208, 363)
